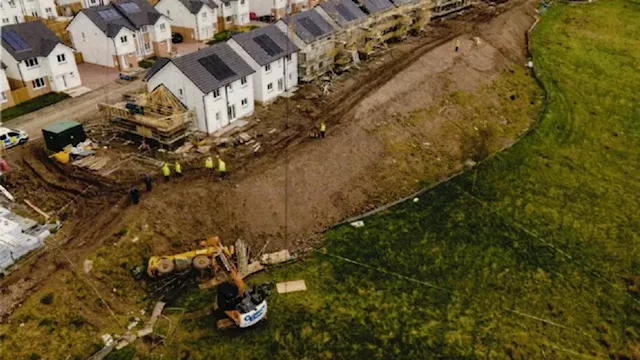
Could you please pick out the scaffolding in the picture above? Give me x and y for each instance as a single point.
(446, 7)
(372, 34)
(157, 115)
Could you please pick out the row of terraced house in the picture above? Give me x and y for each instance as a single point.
(222, 82)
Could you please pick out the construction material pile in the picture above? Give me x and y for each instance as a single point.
(18, 237)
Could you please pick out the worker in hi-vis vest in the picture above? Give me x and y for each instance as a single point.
(323, 129)
(208, 164)
(457, 45)
(178, 168)
(166, 171)
(222, 167)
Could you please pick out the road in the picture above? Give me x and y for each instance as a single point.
(71, 109)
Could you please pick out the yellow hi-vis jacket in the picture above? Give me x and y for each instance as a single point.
(178, 168)
(208, 163)
(165, 170)
(222, 167)
(323, 127)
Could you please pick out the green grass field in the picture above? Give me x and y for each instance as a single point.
(533, 255)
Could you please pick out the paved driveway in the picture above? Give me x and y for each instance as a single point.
(95, 76)
(187, 48)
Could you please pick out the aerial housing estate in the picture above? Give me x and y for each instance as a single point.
(120, 34)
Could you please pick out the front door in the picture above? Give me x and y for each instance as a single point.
(64, 81)
(280, 84)
(231, 111)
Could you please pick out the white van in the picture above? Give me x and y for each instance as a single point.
(11, 138)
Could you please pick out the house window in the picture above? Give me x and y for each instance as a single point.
(12, 3)
(180, 92)
(38, 83)
(123, 39)
(241, 2)
(267, 67)
(204, 14)
(216, 93)
(270, 87)
(288, 58)
(31, 62)
(62, 58)
(229, 18)
(243, 81)
(48, 10)
(5, 20)
(244, 102)
(162, 27)
(227, 4)
(147, 46)
(218, 115)
(3, 97)
(230, 87)
(83, 37)
(168, 13)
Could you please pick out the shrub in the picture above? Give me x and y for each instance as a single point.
(145, 64)
(219, 37)
(47, 299)
(34, 104)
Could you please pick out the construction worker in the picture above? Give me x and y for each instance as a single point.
(178, 168)
(457, 45)
(166, 171)
(135, 195)
(147, 182)
(222, 168)
(208, 164)
(323, 129)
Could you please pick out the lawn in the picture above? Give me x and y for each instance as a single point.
(535, 254)
(32, 105)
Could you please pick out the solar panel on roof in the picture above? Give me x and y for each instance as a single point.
(108, 14)
(15, 41)
(216, 67)
(130, 7)
(345, 13)
(311, 27)
(268, 45)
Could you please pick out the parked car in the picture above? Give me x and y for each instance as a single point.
(253, 16)
(11, 138)
(176, 38)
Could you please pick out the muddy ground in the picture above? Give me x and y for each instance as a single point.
(297, 186)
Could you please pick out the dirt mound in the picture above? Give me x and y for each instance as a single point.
(286, 198)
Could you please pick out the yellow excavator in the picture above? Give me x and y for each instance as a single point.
(244, 307)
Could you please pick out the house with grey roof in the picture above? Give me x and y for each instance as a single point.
(349, 22)
(195, 20)
(273, 57)
(35, 59)
(215, 82)
(314, 36)
(121, 34)
(341, 14)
